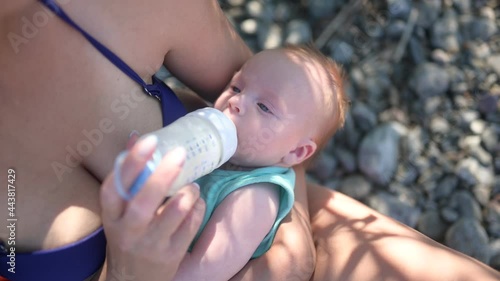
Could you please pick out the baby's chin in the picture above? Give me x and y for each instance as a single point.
(249, 161)
(242, 160)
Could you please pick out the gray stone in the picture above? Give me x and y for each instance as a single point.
(449, 214)
(399, 9)
(495, 254)
(444, 33)
(482, 193)
(468, 236)
(356, 186)
(236, 2)
(346, 158)
(269, 36)
(341, 51)
(429, 80)
(376, 87)
(431, 224)
(255, 9)
(414, 142)
(465, 205)
(439, 125)
(378, 152)
(249, 26)
(463, 6)
(389, 205)
(406, 173)
(418, 51)
(322, 8)
(445, 187)
(349, 133)
(494, 63)
(472, 144)
(488, 82)
(467, 117)
(492, 217)
(432, 104)
(456, 74)
(478, 50)
(364, 117)
(298, 32)
(404, 194)
(395, 29)
(478, 126)
(441, 57)
(429, 11)
(487, 13)
(323, 166)
(489, 138)
(428, 180)
(472, 172)
(282, 12)
(482, 28)
(333, 183)
(357, 77)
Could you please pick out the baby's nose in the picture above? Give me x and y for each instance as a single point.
(235, 105)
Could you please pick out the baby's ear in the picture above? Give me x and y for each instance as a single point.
(302, 152)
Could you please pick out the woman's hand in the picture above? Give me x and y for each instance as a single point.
(146, 242)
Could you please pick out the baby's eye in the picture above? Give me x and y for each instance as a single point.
(264, 108)
(235, 89)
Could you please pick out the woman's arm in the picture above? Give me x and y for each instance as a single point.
(234, 231)
(292, 255)
(204, 51)
(354, 242)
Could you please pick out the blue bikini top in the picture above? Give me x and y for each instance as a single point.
(171, 106)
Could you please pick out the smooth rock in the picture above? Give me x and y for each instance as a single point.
(468, 236)
(431, 224)
(378, 152)
(356, 186)
(429, 80)
(298, 32)
(389, 205)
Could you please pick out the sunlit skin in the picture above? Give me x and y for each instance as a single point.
(271, 101)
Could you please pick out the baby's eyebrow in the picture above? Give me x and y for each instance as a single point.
(276, 102)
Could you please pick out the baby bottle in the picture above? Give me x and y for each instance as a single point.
(207, 135)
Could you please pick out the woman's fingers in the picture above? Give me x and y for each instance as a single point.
(142, 208)
(112, 203)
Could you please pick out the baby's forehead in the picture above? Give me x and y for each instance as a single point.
(287, 71)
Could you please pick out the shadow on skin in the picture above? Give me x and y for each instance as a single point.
(354, 242)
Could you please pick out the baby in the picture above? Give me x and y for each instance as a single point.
(286, 104)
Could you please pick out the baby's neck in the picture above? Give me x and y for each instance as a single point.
(233, 167)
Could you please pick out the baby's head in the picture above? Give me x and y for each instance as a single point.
(286, 104)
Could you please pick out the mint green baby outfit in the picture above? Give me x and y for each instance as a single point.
(215, 186)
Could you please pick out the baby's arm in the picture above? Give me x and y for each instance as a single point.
(232, 234)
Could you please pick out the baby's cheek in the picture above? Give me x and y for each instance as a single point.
(220, 102)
